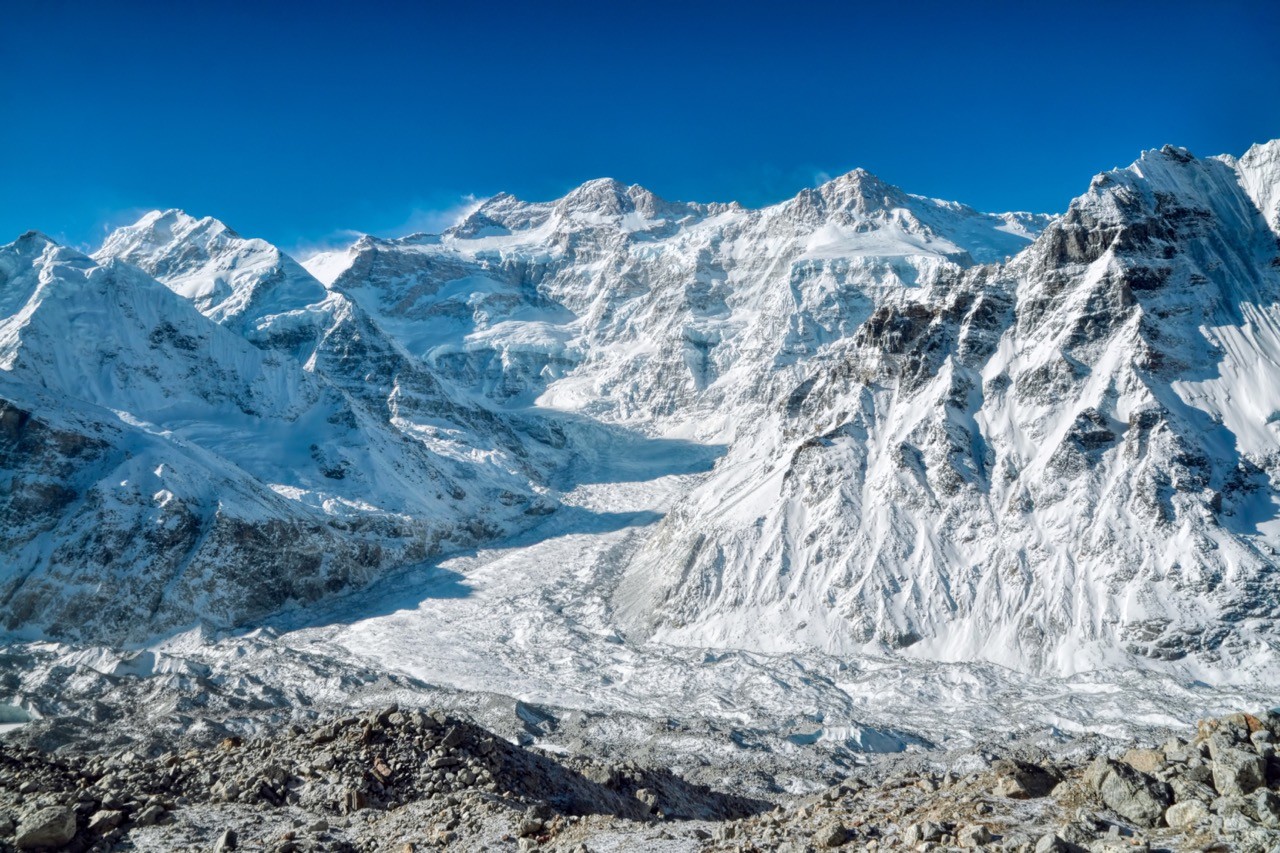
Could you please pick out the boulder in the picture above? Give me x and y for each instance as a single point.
(150, 815)
(1226, 807)
(104, 821)
(1187, 814)
(918, 833)
(1146, 760)
(830, 836)
(1238, 772)
(1185, 790)
(1178, 750)
(54, 826)
(1130, 793)
(1267, 805)
(1051, 843)
(974, 835)
(1021, 780)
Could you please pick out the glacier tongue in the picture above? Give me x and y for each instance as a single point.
(808, 466)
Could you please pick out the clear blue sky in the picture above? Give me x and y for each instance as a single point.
(294, 122)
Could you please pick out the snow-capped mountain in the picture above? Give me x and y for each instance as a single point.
(229, 279)
(1045, 441)
(1052, 464)
(165, 470)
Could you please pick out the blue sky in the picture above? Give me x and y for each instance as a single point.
(298, 123)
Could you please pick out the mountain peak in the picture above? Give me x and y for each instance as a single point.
(32, 240)
(612, 198)
(862, 190)
(603, 195)
(161, 229)
(1259, 171)
(226, 276)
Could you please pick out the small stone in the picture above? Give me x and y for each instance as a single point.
(529, 827)
(1201, 773)
(454, 737)
(319, 826)
(1186, 814)
(354, 801)
(54, 826)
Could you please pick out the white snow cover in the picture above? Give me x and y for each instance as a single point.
(858, 428)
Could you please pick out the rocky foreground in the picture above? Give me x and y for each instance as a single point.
(410, 779)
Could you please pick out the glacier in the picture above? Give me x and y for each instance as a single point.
(813, 469)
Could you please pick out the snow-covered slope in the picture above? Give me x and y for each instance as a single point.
(234, 281)
(163, 470)
(658, 310)
(1054, 464)
(1046, 442)
(935, 448)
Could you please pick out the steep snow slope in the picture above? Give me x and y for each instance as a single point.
(1259, 171)
(163, 470)
(328, 335)
(234, 281)
(1055, 465)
